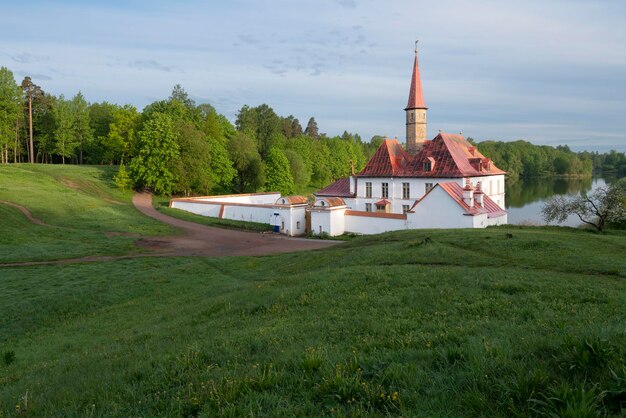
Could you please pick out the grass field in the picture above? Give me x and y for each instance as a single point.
(84, 212)
(508, 321)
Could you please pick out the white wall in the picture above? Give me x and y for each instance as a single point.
(204, 209)
(330, 221)
(253, 198)
(373, 225)
(291, 219)
(417, 189)
(439, 210)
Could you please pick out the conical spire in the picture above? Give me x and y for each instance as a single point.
(416, 99)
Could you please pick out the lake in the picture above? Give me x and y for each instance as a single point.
(526, 197)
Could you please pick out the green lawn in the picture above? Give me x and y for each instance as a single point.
(508, 321)
(85, 213)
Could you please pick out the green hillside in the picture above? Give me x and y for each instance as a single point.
(508, 321)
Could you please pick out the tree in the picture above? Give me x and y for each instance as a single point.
(311, 129)
(179, 94)
(263, 124)
(158, 155)
(31, 92)
(299, 171)
(120, 141)
(82, 130)
(247, 162)
(9, 111)
(64, 132)
(277, 172)
(603, 205)
(192, 171)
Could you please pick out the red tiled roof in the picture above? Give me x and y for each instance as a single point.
(382, 202)
(416, 99)
(333, 201)
(388, 160)
(454, 157)
(293, 200)
(340, 188)
(456, 192)
(449, 155)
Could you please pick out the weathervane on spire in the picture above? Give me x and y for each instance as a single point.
(416, 41)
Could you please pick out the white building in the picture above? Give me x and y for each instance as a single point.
(442, 183)
(396, 181)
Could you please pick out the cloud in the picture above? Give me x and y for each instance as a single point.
(349, 4)
(34, 76)
(26, 58)
(149, 65)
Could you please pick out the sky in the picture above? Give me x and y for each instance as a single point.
(551, 72)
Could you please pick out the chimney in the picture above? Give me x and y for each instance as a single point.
(479, 195)
(468, 194)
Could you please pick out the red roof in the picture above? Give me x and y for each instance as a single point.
(416, 99)
(456, 192)
(388, 160)
(383, 202)
(449, 156)
(332, 202)
(340, 188)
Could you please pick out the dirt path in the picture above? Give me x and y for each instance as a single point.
(25, 211)
(209, 241)
(196, 240)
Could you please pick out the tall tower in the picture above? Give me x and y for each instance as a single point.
(415, 113)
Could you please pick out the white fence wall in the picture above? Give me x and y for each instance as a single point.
(364, 224)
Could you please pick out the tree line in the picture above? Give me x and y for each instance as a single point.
(175, 146)
(523, 159)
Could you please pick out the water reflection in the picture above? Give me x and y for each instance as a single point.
(524, 191)
(525, 197)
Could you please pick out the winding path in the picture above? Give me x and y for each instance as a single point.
(210, 241)
(24, 211)
(196, 240)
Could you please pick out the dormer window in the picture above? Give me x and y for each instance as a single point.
(427, 166)
(480, 166)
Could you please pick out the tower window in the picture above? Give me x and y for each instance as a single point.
(385, 190)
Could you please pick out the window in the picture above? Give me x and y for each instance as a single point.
(368, 189)
(282, 225)
(297, 224)
(427, 187)
(385, 190)
(405, 208)
(427, 166)
(368, 207)
(406, 191)
(498, 186)
(381, 208)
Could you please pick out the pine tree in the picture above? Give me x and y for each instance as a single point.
(311, 129)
